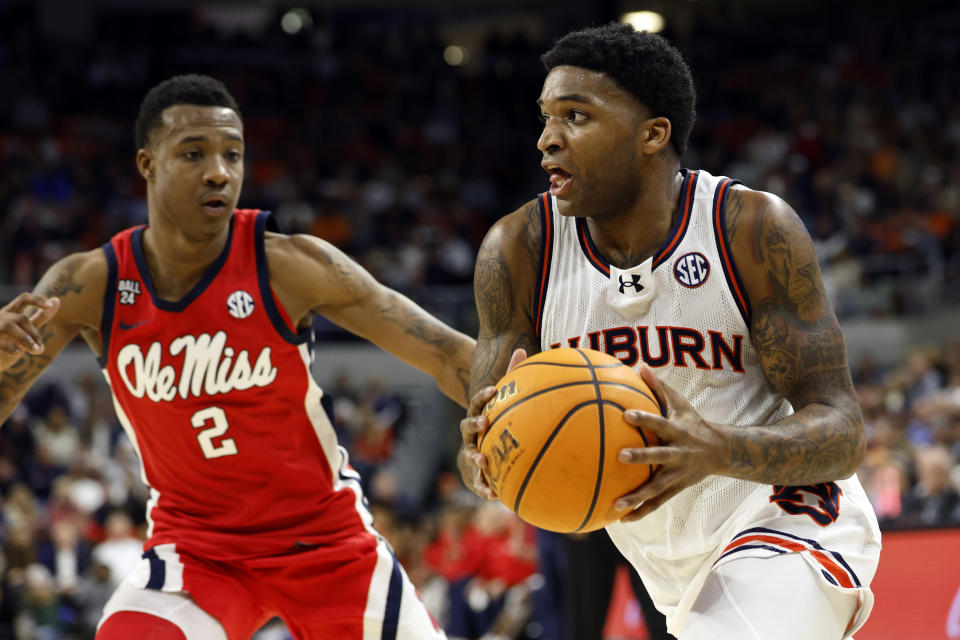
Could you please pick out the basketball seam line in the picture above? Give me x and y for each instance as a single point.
(603, 434)
(546, 445)
(612, 365)
(554, 388)
(543, 452)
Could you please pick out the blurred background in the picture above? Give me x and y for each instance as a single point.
(400, 131)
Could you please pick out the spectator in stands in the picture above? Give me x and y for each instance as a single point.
(933, 500)
(121, 549)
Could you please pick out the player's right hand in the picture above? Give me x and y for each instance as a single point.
(20, 323)
(469, 460)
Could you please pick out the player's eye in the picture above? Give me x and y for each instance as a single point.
(234, 156)
(543, 118)
(576, 117)
(192, 154)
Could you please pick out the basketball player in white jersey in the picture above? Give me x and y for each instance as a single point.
(754, 526)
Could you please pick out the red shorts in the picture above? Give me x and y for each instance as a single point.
(356, 591)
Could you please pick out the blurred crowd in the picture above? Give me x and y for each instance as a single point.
(359, 131)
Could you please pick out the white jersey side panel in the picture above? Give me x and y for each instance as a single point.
(683, 312)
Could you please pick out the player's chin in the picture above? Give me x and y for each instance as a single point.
(567, 207)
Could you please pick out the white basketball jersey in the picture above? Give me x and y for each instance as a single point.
(685, 313)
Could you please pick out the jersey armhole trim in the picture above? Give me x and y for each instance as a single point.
(546, 254)
(734, 281)
(106, 319)
(266, 291)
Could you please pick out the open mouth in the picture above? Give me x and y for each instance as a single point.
(215, 205)
(559, 178)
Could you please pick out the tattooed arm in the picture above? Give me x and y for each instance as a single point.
(503, 283)
(801, 349)
(310, 275)
(802, 353)
(67, 301)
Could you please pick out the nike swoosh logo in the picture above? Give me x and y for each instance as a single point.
(124, 326)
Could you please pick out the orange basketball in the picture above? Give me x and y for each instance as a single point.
(556, 430)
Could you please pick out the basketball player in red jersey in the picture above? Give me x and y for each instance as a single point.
(201, 323)
(755, 525)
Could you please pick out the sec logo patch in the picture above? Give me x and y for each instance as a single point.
(691, 269)
(240, 304)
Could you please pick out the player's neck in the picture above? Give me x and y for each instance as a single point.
(631, 238)
(176, 261)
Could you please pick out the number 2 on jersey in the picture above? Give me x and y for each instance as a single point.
(216, 415)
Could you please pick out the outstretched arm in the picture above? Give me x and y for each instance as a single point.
(802, 353)
(35, 327)
(503, 285)
(310, 275)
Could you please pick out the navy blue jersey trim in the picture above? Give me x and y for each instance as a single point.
(590, 250)
(136, 243)
(266, 293)
(158, 570)
(688, 192)
(391, 615)
(546, 258)
(109, 303)
(675, 236)
(729, 266)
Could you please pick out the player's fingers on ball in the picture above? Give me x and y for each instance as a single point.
(480, 398)
(659, 388)
(652, 489)
(652, 421)
(484, 490)
(471, 428)
(651, 455)
(519, 355)
(631, 500)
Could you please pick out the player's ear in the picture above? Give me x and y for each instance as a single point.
(655, 135)
(145, 164)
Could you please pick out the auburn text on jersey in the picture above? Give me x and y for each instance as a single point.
(679, 346)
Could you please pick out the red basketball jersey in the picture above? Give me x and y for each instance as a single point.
(215, 393)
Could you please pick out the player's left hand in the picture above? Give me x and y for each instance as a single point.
(690, 449)
(470, 461)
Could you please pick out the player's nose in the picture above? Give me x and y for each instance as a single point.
(216, 171)
(550, 139)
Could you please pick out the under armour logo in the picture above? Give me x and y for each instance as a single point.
(635, 284)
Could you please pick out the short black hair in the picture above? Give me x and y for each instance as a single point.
(191, 88)
(643, 63)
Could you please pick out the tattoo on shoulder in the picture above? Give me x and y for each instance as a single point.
(64, 281)
(493, 291)
(533, 235)
(733, 211)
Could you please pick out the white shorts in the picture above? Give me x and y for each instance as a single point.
(779, 597)
(831, 528)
